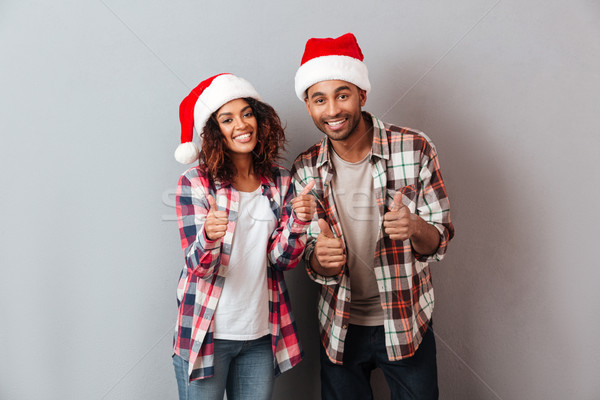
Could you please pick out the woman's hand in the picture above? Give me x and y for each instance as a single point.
(304, 205)
(215, 226)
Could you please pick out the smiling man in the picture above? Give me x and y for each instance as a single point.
(383, 216)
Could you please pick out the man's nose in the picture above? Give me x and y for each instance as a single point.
(333, 108)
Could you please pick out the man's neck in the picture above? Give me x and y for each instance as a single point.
(356, 147)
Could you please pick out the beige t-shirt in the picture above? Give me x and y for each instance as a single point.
(357, 209)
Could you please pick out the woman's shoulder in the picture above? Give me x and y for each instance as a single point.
(281, 175)
(278, 170)
(195, 175)
(280, 178)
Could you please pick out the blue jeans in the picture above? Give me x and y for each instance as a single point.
(242, 368)
(364, 350)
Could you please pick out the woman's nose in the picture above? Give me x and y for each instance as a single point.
(240, 123)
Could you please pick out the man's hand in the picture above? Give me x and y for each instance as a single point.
(304, 205)
(328, 256)
(399, 223)
(215, 226)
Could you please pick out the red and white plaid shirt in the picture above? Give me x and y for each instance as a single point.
(206, 263)
(401, 160)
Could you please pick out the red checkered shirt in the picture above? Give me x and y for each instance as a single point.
(401, 160)
(206, 262)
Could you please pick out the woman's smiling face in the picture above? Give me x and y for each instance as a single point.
(238, 125)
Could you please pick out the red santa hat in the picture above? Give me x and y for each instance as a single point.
(332, 59)
(198, 106)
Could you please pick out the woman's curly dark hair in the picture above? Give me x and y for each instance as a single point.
(214, 154)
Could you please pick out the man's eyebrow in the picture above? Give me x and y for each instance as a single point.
(337, 90)
(342, 88)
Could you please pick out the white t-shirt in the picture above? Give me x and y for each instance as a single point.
(243, 309)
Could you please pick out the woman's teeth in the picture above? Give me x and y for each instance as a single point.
(243, 137)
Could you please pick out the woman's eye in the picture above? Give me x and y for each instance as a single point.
(248, 115)
(226, 121)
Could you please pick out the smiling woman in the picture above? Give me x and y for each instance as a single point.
(267, 140)
(235, 331)
(238, 124)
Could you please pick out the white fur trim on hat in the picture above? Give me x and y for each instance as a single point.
(326, 68)
(223, 89)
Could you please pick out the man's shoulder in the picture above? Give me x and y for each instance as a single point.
(400, 136)
(399, 130)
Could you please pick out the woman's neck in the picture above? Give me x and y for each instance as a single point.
(244, 180)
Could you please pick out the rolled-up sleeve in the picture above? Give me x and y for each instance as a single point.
(433, 205)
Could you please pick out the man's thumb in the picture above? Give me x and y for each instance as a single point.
(397, 204)
(307, 188)
(325, 229)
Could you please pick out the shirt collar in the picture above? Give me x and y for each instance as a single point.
(380, 146)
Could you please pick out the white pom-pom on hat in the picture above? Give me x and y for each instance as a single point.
(198, 106)
(187, 153)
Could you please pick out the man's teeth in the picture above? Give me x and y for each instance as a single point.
(335, 123)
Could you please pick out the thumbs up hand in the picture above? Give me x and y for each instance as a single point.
(304, 205)
(399, 223)
(329, 256)
(325, 229)
(215, 226)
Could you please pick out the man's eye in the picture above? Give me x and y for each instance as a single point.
(343, 96)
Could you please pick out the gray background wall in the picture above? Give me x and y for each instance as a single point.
(89, 96)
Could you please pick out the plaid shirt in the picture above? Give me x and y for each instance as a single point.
(402, 160)
(206, 263)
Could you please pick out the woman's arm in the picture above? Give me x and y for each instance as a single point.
(202, 255)
(287, 242)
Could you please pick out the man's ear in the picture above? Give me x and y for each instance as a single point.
(363, 97)
(307, 106)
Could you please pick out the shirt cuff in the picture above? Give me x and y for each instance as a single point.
(439, 253)
(206, 243)
(297, 225)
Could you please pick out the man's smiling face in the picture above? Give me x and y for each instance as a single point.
(335, 107)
